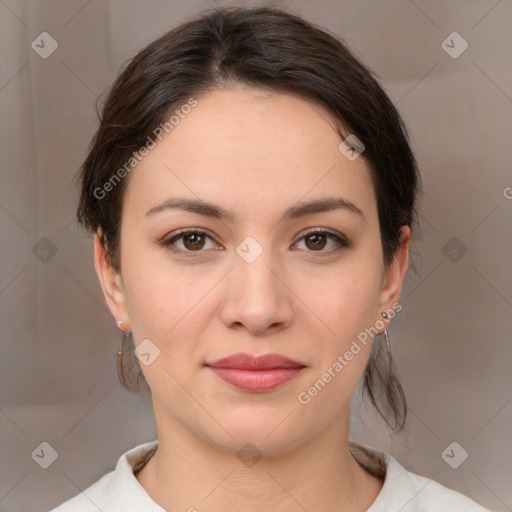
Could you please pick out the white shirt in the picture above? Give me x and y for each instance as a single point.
(120, 491)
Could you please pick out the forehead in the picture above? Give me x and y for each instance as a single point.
(256, 147)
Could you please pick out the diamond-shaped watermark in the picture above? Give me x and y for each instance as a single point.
(454, 249)
(249, 249)
(146, 352)
(454, 45)
(44, 45)
(44, 250)
(45, 455)
(249, 455)
(351, 147)
(454, 455)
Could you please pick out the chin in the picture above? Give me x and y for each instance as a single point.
(265, 436)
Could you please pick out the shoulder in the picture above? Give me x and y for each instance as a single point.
(414, 493)
(409, 492)
(89, 500)
(117, 490)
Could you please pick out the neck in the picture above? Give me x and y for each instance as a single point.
(190, 473)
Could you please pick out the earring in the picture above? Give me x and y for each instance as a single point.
(120, 353)
(125, 363)
(388, 346)
(120, 373)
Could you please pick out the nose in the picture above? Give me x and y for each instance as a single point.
(256, 296)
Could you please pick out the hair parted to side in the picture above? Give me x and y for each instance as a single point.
(274, 49)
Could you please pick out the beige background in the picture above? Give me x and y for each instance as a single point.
(451, 341)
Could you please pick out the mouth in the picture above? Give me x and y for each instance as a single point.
(256, 374)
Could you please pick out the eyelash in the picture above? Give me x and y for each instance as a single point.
(342, 242)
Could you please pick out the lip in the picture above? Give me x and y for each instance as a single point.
(255, 374)
(243, 361)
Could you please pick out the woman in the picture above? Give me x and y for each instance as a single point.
(252, 193)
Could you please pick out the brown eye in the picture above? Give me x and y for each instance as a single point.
(316, 241)
(193, 241)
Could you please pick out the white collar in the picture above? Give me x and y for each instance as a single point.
(403, 490)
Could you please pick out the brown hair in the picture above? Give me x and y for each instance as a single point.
(269, 48)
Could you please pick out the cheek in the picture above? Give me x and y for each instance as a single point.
(161, 303)
(156, 296)
(346, 306)
(166, 309)
(346, 309)
(345, 302)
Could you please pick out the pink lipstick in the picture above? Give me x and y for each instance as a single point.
(256, 374)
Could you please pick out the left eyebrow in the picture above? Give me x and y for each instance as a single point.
(207, 209)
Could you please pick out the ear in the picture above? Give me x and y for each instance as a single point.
(111, 285)
(394, 275)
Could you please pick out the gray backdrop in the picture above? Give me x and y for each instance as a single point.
(451, 341)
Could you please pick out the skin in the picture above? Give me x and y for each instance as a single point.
(255, 154)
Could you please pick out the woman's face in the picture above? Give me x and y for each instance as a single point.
(257, 280)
